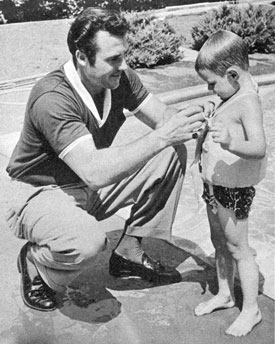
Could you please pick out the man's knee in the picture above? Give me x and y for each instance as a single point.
(171, 162)
(89, 244)
(78, 243)
(182, 156)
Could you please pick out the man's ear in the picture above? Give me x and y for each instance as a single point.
(81, 57)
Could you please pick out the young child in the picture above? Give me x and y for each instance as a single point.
(232, 161)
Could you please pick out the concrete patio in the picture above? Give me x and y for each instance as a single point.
(101, 309)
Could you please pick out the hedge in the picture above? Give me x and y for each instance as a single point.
(151, 42)
(33, 10)
(255, 24)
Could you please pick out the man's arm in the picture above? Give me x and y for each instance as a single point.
(154, 112)
(99, 168)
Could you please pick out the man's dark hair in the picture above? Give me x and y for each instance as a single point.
(82, 33)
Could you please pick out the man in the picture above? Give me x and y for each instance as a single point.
(67, 176)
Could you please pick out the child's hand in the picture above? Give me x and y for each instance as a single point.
(221, 135)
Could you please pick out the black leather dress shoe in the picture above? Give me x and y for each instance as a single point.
(149, 269)
(35, 292)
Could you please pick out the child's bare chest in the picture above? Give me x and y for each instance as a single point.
(230, 118)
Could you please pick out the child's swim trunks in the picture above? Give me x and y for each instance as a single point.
(238, 200)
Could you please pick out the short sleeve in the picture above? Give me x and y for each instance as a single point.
(58, 119)
(135, 90)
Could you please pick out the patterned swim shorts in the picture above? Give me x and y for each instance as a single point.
(238, 200)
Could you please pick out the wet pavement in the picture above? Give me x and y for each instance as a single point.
(103, 310)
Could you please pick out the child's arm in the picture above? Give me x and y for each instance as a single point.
(254, 146)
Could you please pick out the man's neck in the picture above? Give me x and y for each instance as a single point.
(99, 102)
(94, 90)
(97, 93)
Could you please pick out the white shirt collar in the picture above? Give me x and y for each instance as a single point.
(74, 79)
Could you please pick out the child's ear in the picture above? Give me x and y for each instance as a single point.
(232, 75)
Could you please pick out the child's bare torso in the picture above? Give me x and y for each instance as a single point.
(221, 167)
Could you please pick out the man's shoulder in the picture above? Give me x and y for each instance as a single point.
(129, 75)
(53, 82)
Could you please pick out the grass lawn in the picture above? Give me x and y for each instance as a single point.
(183, 26)
(32, 48)
(38, 47)
(35, 48)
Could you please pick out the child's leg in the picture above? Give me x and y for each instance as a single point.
(225, 269)
(236, 233)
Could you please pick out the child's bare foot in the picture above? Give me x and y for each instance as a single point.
(244, 323)
(218, 301)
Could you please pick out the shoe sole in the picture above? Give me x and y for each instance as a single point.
(145, 275)
(128, 274)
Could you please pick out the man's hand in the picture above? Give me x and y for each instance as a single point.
(208, 108)
(180, 127)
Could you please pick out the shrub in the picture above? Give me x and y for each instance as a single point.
(126, 5)
(9, 11)
(32, 10)
(151, 42)
(186, 2)
(140, 5)
(255, 24)
(27, 10)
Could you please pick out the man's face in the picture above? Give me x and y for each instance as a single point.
(109, 62)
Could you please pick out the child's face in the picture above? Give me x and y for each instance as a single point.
(220, 85)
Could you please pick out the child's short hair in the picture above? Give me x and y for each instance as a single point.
(222, 50)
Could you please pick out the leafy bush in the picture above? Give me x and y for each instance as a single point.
(186, 2)
(255, 24)
(9, 11)
(2, 18)
(152, 42)
(126, 5)
(140, 5)
(32, 10)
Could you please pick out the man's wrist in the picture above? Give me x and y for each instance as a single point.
(160, 139)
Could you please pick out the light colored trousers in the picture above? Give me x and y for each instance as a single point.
(63, 223)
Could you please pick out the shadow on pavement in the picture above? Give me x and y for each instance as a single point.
(90, 299)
